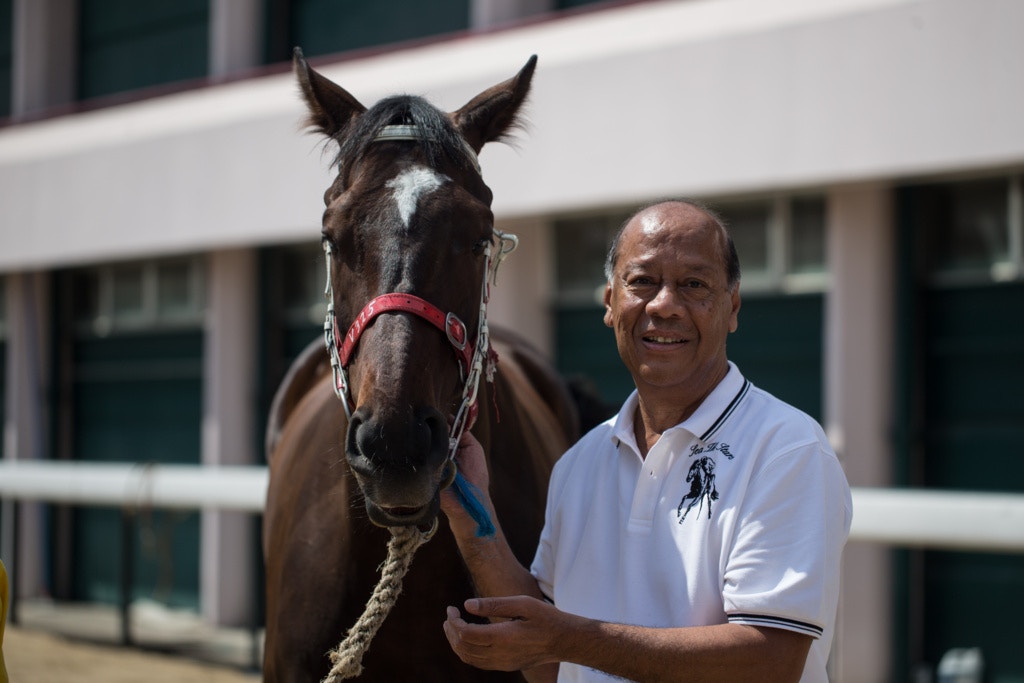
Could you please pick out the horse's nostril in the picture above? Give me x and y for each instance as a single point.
(437, 427)
(352, 435)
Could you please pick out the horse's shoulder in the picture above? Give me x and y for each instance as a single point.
(305, 372)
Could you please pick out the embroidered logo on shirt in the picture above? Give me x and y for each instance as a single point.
(701, 479)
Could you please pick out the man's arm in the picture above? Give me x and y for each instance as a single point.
(537, 633)
(494, 568)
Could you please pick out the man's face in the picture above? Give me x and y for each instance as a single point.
(669, 301)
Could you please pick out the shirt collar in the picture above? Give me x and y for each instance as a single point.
(705, 420)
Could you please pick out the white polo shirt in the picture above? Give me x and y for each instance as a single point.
(738, 514)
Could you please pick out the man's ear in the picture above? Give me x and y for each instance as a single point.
(609, 319)
(734, 315)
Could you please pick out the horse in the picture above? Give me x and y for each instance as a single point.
(361, 432)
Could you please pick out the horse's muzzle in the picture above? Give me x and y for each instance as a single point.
(400, 465)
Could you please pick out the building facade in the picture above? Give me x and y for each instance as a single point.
(159, 264)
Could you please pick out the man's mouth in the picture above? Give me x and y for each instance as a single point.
(658, 339)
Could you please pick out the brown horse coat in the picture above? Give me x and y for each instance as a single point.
(321, 550)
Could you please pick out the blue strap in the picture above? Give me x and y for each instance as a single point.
(469, 497)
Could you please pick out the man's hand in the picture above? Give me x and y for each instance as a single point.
(522, 637)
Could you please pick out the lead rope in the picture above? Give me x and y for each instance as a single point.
(347, 658)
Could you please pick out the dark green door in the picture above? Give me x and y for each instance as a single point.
(974, 440)
(129, 390)
(137, 398)
(960, 363)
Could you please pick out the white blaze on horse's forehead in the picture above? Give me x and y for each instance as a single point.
(412, 184)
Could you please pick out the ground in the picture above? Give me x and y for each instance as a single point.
(38, 657)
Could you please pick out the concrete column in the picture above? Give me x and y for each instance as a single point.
(228, 554)
(236, 30)
(26, 419)
(45, 49)
(521, 299)
(488, 13)
(858, 409)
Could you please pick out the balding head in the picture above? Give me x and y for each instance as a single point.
(683, 210)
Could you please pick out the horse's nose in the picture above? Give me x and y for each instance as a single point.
(398, 458)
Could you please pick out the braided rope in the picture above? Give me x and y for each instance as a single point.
(347, 658)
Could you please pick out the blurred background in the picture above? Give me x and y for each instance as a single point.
(160, 263)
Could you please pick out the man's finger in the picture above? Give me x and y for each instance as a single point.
(516, 607)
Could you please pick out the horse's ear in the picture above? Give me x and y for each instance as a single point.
(492, 114)
(331, 107)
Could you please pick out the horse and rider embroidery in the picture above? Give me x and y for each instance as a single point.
(701, 479)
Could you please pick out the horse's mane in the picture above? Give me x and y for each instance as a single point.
(438, 137)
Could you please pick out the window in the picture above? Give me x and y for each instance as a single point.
(581, 244)
(327, 26)
(807, 235)
(569, 4)
(975, 231)
(175, 295)
(141, 295)
(303, 278)
(749, 225)
(6, 52)
(128, 45)
(780, 242)
(127, 297)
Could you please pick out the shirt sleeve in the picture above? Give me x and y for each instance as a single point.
(543, 567)
(782, 569)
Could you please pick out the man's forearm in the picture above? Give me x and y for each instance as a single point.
(726, 652)
(495, 570)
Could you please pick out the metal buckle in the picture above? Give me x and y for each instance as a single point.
(456, 331)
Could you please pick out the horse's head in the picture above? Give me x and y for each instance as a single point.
(409, 237)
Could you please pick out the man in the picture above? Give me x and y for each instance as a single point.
(695, 536)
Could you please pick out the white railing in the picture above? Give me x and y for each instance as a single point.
(952, 520)
(188, 487)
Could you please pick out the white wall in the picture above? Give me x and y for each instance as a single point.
(702, 97)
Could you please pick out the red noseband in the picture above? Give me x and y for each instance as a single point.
(450, 324)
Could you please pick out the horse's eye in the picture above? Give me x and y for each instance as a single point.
(480, 245)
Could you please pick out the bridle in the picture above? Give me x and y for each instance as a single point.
(474, 358)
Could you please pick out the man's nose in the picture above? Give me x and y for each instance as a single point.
(667, 302)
